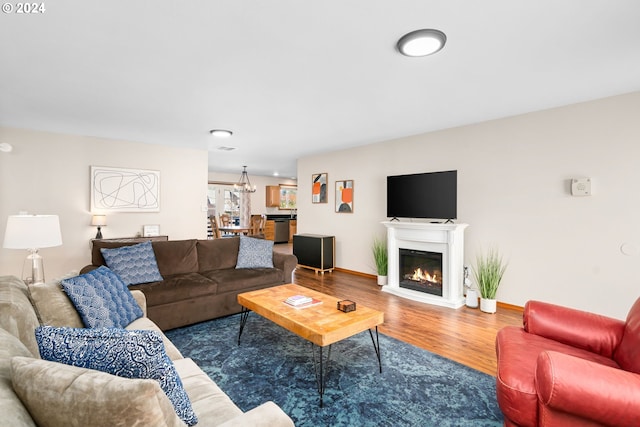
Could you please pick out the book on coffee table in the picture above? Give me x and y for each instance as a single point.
(306, 302)
(296, 300)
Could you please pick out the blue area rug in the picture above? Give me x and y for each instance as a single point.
(415, 388)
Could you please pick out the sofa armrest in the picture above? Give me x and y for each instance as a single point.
(88, 268)
(586, 390)
(266, 415)
(141, 300)
(588, 331)
(287, 263)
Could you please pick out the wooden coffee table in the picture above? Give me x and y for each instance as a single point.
(321, 324)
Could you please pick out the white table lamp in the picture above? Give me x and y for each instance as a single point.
(32, 232)
(99, 221)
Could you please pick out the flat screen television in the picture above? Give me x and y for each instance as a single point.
(430, 195)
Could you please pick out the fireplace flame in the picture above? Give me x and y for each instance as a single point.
(424, 276)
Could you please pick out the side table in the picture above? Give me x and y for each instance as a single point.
(315, 252)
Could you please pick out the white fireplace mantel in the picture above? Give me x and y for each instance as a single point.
(447, 239)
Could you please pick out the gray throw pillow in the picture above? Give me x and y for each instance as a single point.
(255, 253)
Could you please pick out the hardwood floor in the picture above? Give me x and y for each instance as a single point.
(465, 335)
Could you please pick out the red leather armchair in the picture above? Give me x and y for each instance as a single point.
(567, 367)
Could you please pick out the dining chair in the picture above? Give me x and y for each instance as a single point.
(214, 227)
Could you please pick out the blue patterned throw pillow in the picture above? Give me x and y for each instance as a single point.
(128, 354)
(255, 253)
(135, 264)
(102, 299)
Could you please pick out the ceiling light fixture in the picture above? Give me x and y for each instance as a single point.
(221, 133)
(244, 185)
(421, 42)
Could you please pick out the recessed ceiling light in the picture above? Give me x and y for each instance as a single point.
(421, 42)
(221, 133)
(224, 148)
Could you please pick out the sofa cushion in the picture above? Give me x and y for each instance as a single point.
(102, 299)
(628, 352)
(218, 253)
(176, 256)
(244, 279)
(17, 315)
(129, 354)
(208, 400)
(54, 306)
(14, 413)
(134, 264)
(517, 353)
(56, 394)
(255, 253)
(177, 288)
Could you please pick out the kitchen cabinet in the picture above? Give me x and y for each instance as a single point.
(272, 196)
(293, 229)
(270, 229)
(281, 196)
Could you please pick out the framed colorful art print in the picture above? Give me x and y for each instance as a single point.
(319, 188)
(344, 196)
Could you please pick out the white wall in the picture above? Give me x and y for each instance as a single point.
(513, 191)
(259, 198)
(48, 173)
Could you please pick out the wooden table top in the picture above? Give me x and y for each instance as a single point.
(234, 229)
(322, 324)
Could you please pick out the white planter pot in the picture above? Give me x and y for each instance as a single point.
(487, 305)
(382, 280)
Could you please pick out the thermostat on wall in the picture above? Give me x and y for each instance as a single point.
(581, 187)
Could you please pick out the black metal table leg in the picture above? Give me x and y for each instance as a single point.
(321, 366)
(376, 346)
(244, 314)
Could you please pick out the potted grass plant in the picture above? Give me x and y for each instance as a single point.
(488, 272)
(381, 258)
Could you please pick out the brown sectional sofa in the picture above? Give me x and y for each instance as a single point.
(200, 279)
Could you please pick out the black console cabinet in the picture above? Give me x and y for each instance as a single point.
(314, 251)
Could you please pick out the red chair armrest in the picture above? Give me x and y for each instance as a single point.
(588, 331)
(588, 390)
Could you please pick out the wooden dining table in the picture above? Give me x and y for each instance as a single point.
(235, 229)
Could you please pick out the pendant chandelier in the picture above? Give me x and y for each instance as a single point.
(244, 185)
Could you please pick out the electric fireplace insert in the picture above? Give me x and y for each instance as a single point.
(421, 271)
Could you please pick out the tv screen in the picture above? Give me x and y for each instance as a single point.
(424, 195)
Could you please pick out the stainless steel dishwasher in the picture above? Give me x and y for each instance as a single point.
(281, 230)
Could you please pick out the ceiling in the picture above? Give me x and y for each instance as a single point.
(292, 78)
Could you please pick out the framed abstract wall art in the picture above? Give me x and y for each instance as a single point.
(319, 188)
(344, 196)
(124, 190)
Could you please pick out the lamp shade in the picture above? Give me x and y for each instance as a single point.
(32, 232)
(99, 220)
